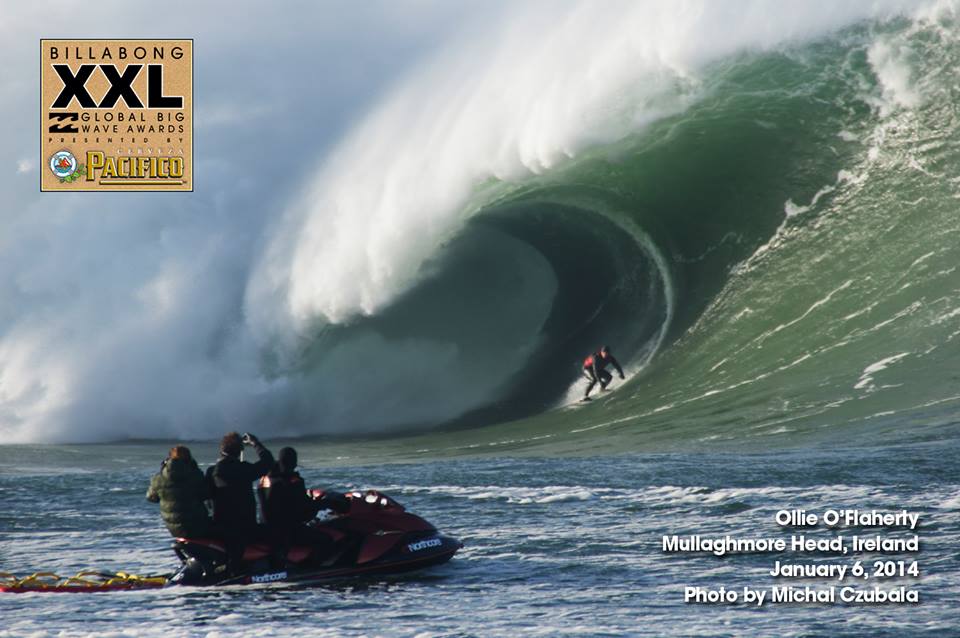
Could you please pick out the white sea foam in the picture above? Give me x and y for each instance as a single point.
(891, 63)
(866, 379)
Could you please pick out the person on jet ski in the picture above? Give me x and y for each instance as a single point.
(286, 508)
(182, 492)
(594, 369)
(231, 486)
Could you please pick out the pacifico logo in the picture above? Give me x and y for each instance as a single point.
(117, 115)
(64, 165)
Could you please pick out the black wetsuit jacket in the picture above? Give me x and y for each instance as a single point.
(286, 504)
(181, 490)
(596, 364)
(231, 483)
(283, 496)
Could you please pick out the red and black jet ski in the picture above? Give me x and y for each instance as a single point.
(375, 535)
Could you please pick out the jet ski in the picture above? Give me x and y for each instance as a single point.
(374, 535)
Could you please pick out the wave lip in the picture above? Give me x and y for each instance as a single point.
(398, 186)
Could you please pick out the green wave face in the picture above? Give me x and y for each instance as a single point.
(800, 226)
(774, 261)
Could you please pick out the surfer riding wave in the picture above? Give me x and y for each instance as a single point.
(595, 370)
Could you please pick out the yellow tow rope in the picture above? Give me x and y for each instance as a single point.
(86, 581)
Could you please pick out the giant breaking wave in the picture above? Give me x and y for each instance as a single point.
(753, 205)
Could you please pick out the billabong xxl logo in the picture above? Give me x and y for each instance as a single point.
(117, 114)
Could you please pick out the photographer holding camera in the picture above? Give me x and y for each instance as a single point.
(181, 490)
(231, 485)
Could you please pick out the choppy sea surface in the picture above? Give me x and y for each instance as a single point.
(553, 546)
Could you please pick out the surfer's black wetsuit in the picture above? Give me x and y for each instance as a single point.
(594, 369)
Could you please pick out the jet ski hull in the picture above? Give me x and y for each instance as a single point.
(376, 537)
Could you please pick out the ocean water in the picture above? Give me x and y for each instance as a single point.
(757, 208)
(553, 546)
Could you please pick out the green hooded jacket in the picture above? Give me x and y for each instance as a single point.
(181, 490)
